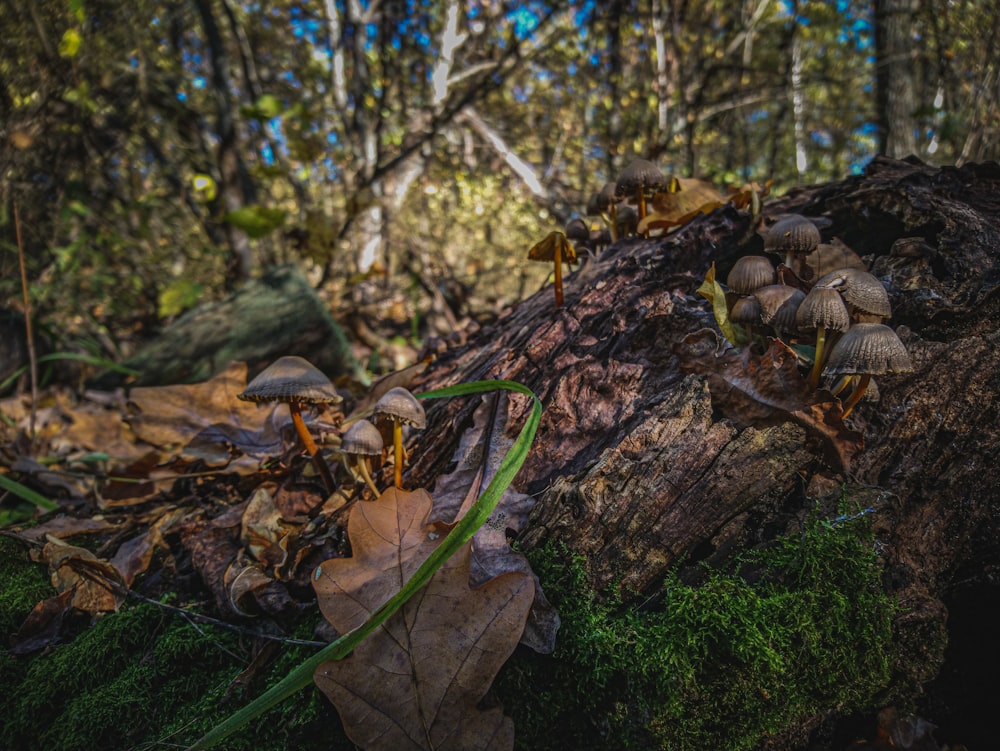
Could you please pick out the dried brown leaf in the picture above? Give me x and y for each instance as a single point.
(80, 571)
(768, 390)
(477, 458)
(416, 682)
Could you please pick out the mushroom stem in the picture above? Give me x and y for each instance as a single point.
(397, 445)
(642, 203)
(817, 367)
(310, 444)
(613, 223)
(362, 465)
(558, 281)
(859, 391)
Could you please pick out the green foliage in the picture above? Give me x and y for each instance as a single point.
(812, 634)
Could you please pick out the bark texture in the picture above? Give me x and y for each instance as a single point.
(636, 467)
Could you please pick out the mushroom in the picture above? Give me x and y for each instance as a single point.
(295, 381)
(746, 313)
(790, 236)
(360, 442)
(555, 248)
(750, 273)
(778, 305)
(639, 181)
(867, 349)
(604, 204)
(865, 296)
(578, 233)
(401, 408)
(827, 257)
(821, 311)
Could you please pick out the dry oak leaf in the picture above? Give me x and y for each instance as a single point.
(415, 683)
(768, 390)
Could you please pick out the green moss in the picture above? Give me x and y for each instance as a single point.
(719, 665)
(140, 677)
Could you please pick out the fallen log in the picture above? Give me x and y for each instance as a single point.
(642, 468)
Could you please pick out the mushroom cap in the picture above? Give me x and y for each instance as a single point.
(750, 273)
(602, 200)
(792, 233)
(399, 404)
(822, 308)
(825, 258)
(546, 249)
(871, 348)
(641, 174)
(860, 290)
(746, 311)
(778, 305)
(577, 230)
(291, 379)
(362, 439)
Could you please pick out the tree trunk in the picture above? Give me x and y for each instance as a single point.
(896, 98)
(639, 464)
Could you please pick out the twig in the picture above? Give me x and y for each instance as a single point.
(33, 363)
(198, 617)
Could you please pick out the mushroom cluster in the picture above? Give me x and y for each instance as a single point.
(298, 383)
(839, 313)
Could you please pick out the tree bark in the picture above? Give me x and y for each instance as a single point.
(896, 97)
(638, 466)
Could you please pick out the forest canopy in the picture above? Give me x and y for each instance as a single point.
(159, 153)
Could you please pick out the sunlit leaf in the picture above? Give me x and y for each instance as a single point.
(256, 221)
(70, 43)
(712, 291)
(204, 185)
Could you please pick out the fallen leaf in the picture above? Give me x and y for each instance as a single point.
(712, 291)
(80, 571)
(476, 460)
(43, 624)
(171, 417)
(416, 682)
(768, 390)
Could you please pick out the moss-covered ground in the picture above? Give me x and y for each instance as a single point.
(720, 664)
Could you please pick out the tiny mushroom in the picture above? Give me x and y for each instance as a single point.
(822, 310)
(554, 248)
(360, 442)
(604, 204)
(638, 182)
(400, 407)
(867, 349)
(791, 235)
(295, 381)
(867, 300)
(778, 306)
(750, 273)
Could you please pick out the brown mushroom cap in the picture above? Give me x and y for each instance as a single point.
(869, 348)
(791, 234)
(822, 308)
(577, 231)
(398, 404)
(860, 290)
(641, 174)
(291, 379)
(552, 243)
(746, 311)
(602, 201)
(825, 258)
(778, 306)
(750, 273)
(362, 439)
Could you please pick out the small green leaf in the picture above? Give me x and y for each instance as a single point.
(268, 106)
(256, 221)
(70, 43)
(712, 291)
(204, 185)
(177, 297)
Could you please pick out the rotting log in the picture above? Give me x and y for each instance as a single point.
(275, 315)
(636, 468)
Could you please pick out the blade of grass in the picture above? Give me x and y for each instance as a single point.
(27, 494)
(461, 533)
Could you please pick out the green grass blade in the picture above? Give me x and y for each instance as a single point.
(27, 494)
(461, 533)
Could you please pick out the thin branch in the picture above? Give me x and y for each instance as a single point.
(29, 333)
